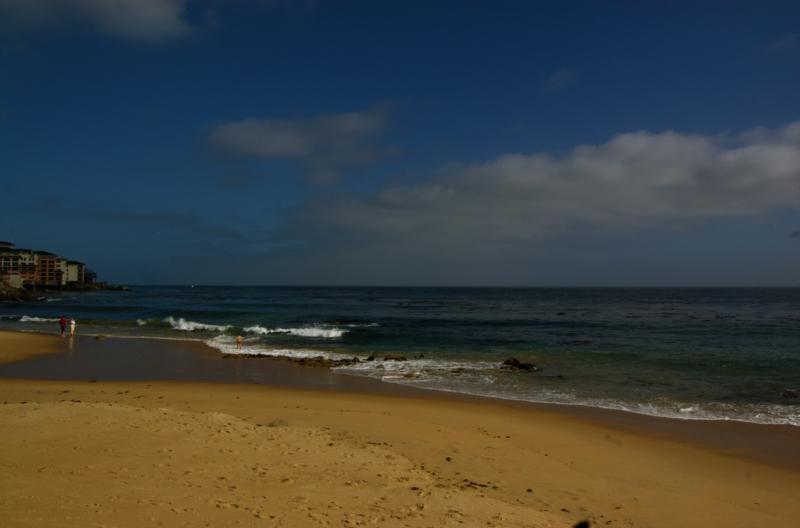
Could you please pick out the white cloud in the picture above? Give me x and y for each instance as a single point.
(634, 181)
(147, 20)
(325, 145)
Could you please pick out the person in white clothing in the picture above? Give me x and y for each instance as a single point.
(72, 327)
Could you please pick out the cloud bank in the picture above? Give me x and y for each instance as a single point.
(634, 181)
(618, 213)
(144, 20)
(325, 145)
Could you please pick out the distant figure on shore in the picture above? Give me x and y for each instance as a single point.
(239, 340)
(71, 327)
(63, 324)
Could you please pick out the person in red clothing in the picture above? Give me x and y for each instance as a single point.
(63, 323)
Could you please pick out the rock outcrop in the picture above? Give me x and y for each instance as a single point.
(315, 361)
(10, 293)
(513, 363)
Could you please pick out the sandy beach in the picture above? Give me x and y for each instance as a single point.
(177, 453)
(337, 264)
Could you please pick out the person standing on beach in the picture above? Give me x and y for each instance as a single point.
(71, 327)
(63, 324)
(239, 340)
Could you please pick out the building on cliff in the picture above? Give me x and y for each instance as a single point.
(40, 269)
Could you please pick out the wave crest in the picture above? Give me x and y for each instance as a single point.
(34, 319)
(227, 345)
(192, 326)
(306, 331)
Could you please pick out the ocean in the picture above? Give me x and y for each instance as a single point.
(708, 354)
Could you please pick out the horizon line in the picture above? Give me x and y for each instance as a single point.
(561, 287)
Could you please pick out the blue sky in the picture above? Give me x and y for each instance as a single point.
(474, 143)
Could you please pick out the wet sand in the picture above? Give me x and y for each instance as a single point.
(18, 346)
(220, 448)
(137, 359)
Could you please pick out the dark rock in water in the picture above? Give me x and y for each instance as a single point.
(790, 393)
(421, 356)
(320, 361)
(11, 293)
(392, 357)
(99, 337)
(371, 358)
(515, 364)
(116, 287)
(316, 361)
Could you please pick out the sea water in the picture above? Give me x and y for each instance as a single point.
(723, 354)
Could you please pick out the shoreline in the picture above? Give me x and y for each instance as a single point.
(341, 369)
(777, 445)
(190, 452)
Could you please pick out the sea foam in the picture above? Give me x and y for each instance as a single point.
(227, 345)
(34, 319)
(306, 331)
(191, 326)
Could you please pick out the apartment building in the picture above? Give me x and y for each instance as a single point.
(30, 268)
(76, 272)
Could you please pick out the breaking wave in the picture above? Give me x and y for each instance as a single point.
(326, 332)
(227, 345)
(481, 378)
(27, 319)
(192, 326)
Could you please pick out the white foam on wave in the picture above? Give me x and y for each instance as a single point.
(482, 379)
(191, 326)
(34, 319)
(227, 345)
(327, 332)
(141, 322)
(760, 413)
(418, 370)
